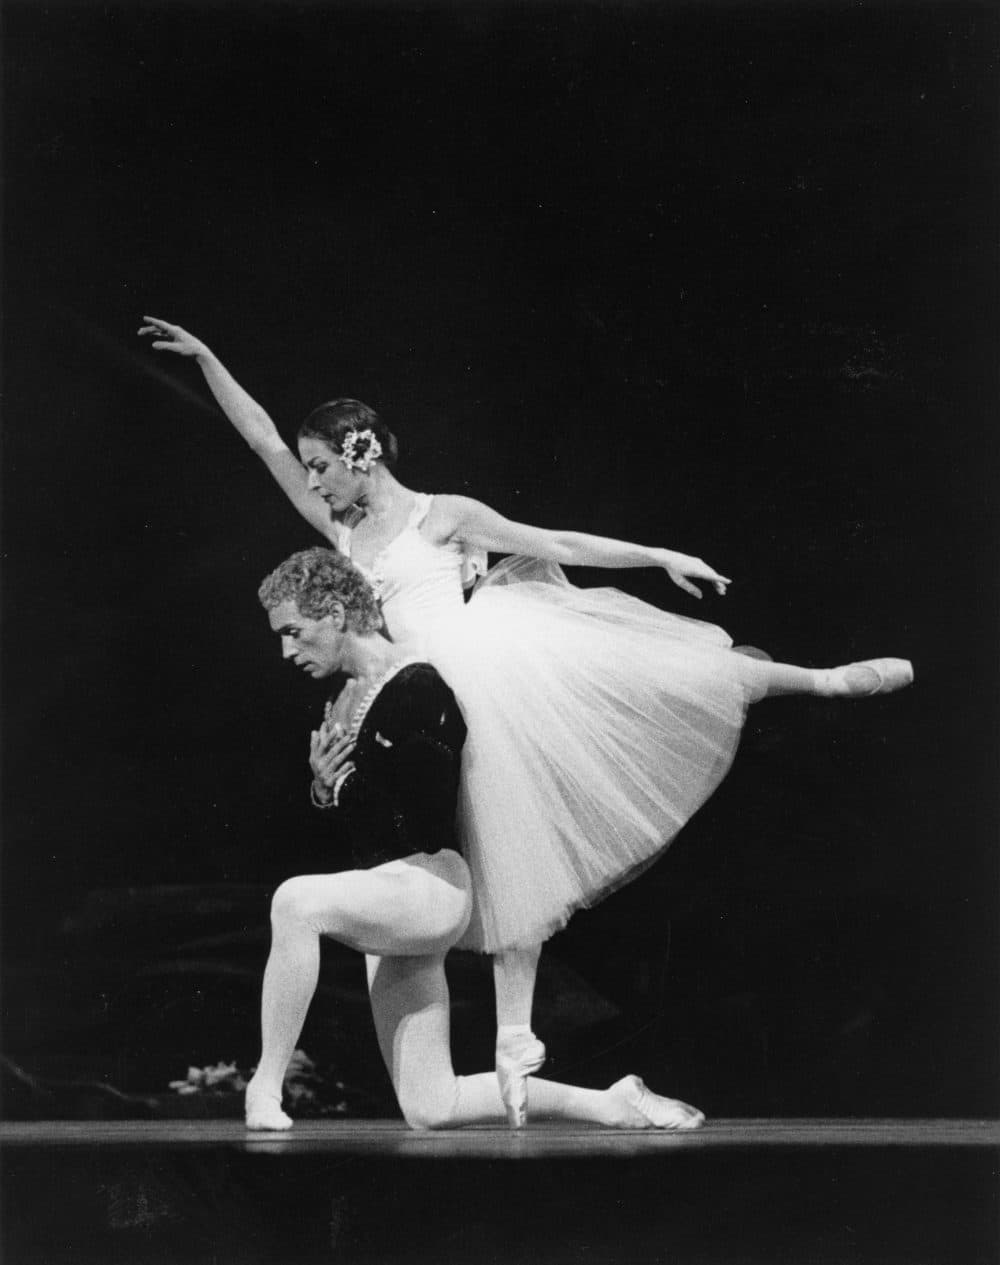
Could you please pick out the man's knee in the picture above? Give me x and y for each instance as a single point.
(425, 1110)
(421, 1118)
(293, 904)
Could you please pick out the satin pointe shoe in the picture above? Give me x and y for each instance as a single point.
(752, 652)
(646, 1110)
(518, 1057)
(889, 675)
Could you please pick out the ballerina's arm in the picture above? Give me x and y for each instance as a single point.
(474, 524)
(248, 419)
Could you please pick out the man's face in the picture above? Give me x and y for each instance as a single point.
(314, 644)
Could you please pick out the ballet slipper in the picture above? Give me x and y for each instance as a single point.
(263, 1111)
(642, 1109)
(870, 677)
(518, 1057)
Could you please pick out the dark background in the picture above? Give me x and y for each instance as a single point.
(721, 277)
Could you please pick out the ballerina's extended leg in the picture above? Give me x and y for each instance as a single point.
(852, 680)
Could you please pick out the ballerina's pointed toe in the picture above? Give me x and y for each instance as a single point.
(517, 1058)
(891, 674)
(652, 1111)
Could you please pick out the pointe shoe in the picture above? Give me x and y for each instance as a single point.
(890, 675)
(263, 1111)
(646, 1110)
(517, 1058)
(752, 652)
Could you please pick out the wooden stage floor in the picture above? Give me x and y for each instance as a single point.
(371, 1192)
(540, 1141)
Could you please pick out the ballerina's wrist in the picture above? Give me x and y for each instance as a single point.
(664, 557)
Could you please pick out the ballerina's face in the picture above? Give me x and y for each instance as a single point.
(315, 645)
(329, 477)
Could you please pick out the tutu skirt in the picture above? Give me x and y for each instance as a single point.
(597, 726)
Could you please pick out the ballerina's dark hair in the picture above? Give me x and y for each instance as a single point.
(332, 421)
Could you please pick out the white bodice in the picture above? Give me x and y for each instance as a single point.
(420, 584)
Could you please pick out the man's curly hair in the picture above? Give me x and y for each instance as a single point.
(314, 579)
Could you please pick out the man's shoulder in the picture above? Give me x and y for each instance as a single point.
(418, 682)
(417, 676)
(422, 697)
(415, 701)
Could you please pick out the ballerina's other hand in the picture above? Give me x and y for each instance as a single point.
(682, 569)
(172, 338)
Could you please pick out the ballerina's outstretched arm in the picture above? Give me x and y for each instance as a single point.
(474, 524)
(248, 418)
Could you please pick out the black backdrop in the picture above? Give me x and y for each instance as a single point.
(722, 277)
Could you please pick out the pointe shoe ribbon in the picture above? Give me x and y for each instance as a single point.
(517, 1058)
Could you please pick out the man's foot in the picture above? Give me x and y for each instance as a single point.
(518, 1057)
(263, 1110)
(636, 1107)
(870, 676)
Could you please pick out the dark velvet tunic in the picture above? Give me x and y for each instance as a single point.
(402, 796)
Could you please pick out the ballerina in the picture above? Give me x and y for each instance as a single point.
(390, 771)
(598, 724)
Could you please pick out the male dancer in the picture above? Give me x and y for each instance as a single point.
(386, 761)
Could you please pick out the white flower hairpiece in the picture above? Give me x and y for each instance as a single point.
(370, 453)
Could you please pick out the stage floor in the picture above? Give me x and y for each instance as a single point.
(543, 1140)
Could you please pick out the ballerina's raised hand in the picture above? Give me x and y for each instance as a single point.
(248, 418)
(167, 337)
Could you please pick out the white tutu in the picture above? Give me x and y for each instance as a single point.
(597, 726)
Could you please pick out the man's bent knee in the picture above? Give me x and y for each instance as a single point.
(429, 1111)
(421, 1119)
(293, 902)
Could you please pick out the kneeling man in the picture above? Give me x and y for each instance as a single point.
(386, 760)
